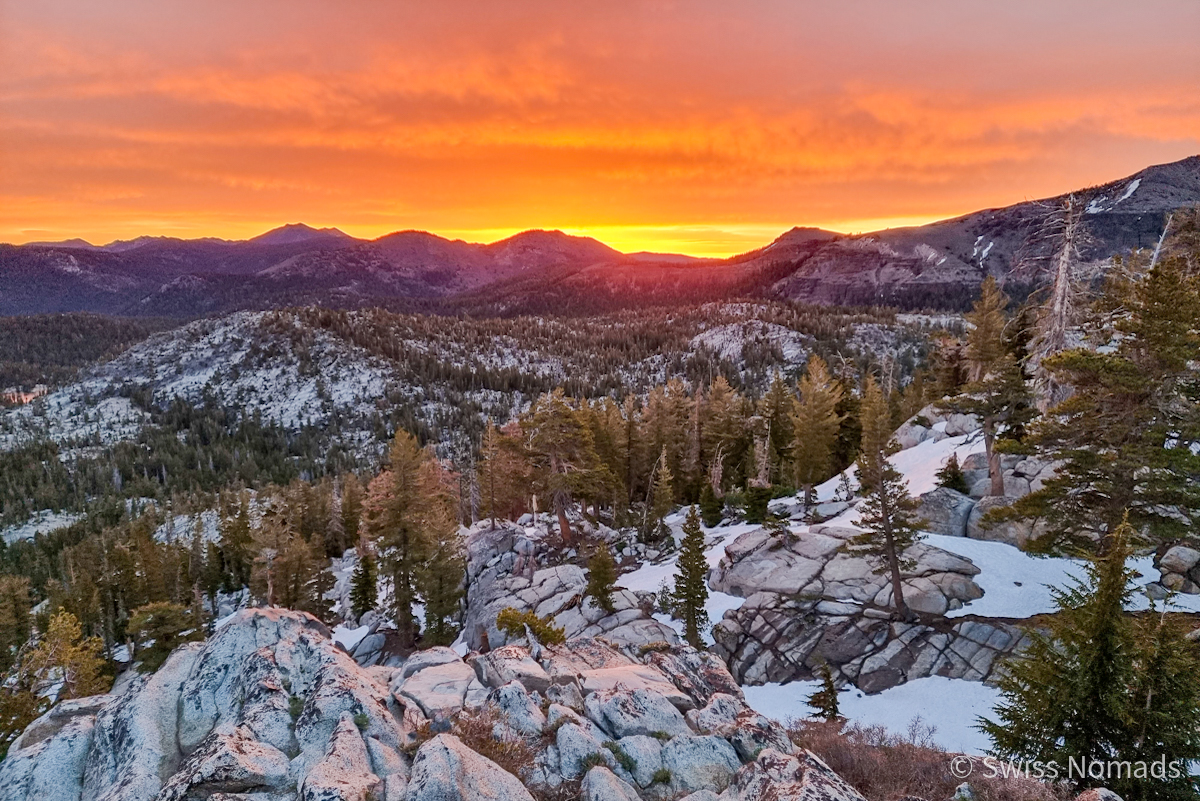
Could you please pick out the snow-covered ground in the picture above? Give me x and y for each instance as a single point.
(651, 577)
(42, 522)
(1015, 584)
(951, 706)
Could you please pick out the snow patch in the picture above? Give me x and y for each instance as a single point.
(951, 706)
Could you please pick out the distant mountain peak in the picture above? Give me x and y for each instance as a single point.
(293, 233)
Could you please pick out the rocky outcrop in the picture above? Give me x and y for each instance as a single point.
(1179, 566)
(932, 424)
(446, 770)
(270, 709)
(776, 638)
(503, 570)
(774, 776)
(815, 563)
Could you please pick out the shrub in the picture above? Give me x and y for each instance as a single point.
(884, 766)
(661, 776)
(513, 623)
(661, 736)
(295, 706)
(478, 732)
(362, 721)
(622, 756)
(594, 760)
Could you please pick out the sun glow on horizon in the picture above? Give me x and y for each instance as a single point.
(684, 128)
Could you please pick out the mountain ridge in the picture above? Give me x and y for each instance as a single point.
(938, 265)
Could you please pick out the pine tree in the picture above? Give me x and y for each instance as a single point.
(442, 574)
(1096, 685)
(214, 575)
(1123, 437)
(336, 542)
(15, 622)
(778, 408)
(710, 506)
(691, 580)
(886, 513)
(393, 520)
(504, 473)
(985, 340)
(563, 457)
(815, 423)
(351, 506)
(288, 570)
(723, 435)
(1164, 704)
(64, 656)
(602, 575)
(996, 393)
(364, 584)
(489, 454)
(825, 700)
(661, 499)
(63, 659)
(237, 544)
(951, 476)
(164, 626)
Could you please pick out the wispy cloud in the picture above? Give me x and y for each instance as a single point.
(662, 125)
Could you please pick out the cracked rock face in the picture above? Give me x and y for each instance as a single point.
(815, 563)
(269, 709)
(809, 601)
(773, 638)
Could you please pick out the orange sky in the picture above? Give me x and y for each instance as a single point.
(702, 127)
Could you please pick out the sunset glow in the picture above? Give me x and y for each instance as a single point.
(700, 127)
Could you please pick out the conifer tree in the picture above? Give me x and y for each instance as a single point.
(825, 700)
(951, 476)
(815, 423)
(563, 457)
(163, 626)
(237, 544)
(985, 340)
(1124, 439)
(393, 521)
(710, 506)
(661, 498)
(1164, 703)
(886, 513)
(288, 570)
(63, 658)
(996, 393)
(336, 542)
(214, 575)
(777, 409)
(602, 575)
(364, 583)
(691, 580)
(351, 506)
(504, 473)
(723, 436)
(1097, 685)
(15, 622)
(489, 454)
(441, 576)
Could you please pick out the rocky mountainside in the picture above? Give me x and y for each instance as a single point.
(349, 375)
(269, 708)
(937, 265)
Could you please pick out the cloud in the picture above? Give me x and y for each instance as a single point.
(640, 117)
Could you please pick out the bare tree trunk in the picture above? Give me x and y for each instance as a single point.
(1161, 239)
(1059, 311)
(564, 526)
(995, 474)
